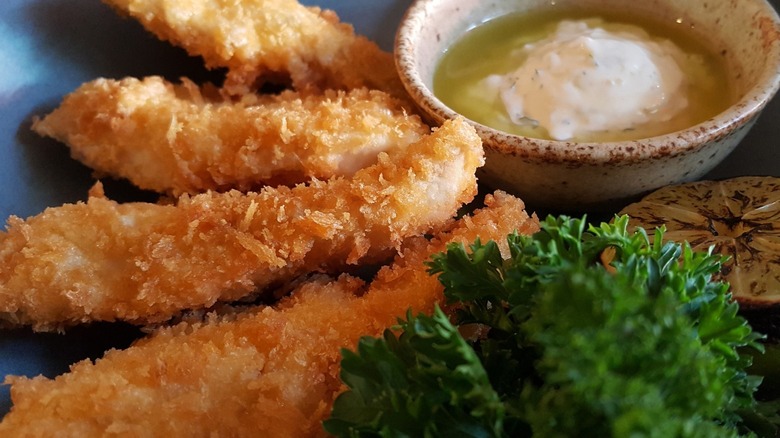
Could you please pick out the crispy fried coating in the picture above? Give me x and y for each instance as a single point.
(253, 38)
(175, 139)
(270, 371)
(144, 263)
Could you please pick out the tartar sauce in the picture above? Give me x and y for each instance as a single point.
(584, 79)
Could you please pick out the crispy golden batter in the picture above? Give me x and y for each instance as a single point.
(253, 38)
(140, 262)
(173, 139)
(266, 372)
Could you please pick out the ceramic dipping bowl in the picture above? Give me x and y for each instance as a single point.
(570, 176)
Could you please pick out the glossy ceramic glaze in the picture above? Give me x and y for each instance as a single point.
(572, 176)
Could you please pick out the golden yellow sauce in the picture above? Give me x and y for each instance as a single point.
(493, 48)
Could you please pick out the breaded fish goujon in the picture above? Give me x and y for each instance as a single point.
(176, 139)
(145, 263)
(257, 38)
(271, 371)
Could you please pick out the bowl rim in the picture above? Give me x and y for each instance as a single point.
(680, 142)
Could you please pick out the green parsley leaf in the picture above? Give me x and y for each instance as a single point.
(587, 331)
(426, 383)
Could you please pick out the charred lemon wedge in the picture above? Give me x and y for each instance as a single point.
(739, 217)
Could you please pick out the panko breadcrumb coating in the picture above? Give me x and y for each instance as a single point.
(175, 139)
(270, 371)
(254, 38)
(145, 263)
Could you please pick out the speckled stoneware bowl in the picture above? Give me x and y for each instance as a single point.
(570, 176)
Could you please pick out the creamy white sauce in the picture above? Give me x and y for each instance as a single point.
(584, 79)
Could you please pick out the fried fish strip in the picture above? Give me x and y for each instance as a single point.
(256, 37)
(174, 139)
(144, 263)
(267, 372)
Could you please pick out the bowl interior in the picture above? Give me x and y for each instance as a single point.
(745, 34)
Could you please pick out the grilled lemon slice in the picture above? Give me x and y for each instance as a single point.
(740, 217)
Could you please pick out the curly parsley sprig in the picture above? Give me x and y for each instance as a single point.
(587, 331)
